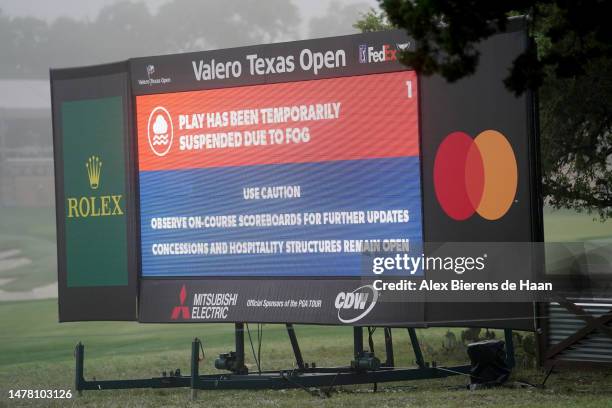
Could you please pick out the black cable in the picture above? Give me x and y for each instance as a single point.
(253, 349)
(550, 371)
(312, 393)
(203, 355)
(370, 339)
(331, 386)
(320, 393)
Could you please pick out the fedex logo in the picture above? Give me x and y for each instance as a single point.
(382, 54)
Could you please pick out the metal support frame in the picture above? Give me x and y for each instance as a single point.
(300, 377)
(239, 336)
(295, 346)
(195, 367)
(79, 359)
(390, 361)
(418, 354)
(510, 359)
(357, 341)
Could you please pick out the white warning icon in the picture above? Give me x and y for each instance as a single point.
(160, 131)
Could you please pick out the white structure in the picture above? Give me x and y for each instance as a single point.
(26, 146)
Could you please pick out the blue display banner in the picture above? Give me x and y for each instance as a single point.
(304, 219)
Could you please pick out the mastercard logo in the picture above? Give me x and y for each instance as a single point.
(475, 175)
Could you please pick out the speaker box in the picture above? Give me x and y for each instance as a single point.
(488, 360)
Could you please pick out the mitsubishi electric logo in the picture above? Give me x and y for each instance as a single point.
(181, 310)
(203, 306)
(355, 305)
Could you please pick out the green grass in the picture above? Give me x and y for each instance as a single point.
(568, 226)
(37, 353)
(31, 230)
(35, 335)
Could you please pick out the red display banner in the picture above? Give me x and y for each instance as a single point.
(361, 117)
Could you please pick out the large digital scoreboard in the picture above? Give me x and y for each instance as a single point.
(285, 182)
(288, 179)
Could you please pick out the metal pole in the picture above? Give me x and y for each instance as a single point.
(79, 355)
(195, 367)
(294, 344)
(358, 341)
(510, 358)
(239, 335)
(416, 347)
(390, 362)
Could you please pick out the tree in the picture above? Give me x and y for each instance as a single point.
(29, 46)
(570, 65)
(372, 21)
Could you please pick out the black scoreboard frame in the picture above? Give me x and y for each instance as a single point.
(150, 300)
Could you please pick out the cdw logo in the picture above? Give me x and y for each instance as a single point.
(351, 300)
(353, 306)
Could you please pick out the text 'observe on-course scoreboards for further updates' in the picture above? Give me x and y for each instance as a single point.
(289, 179)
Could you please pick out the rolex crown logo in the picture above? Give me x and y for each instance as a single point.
(94, 166)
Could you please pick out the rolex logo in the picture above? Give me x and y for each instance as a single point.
(94, 167)
(94, 206)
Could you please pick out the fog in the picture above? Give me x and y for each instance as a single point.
(38, 35)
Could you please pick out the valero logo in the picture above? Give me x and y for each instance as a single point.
(181, 310)
(475, 175)
(160, 131)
